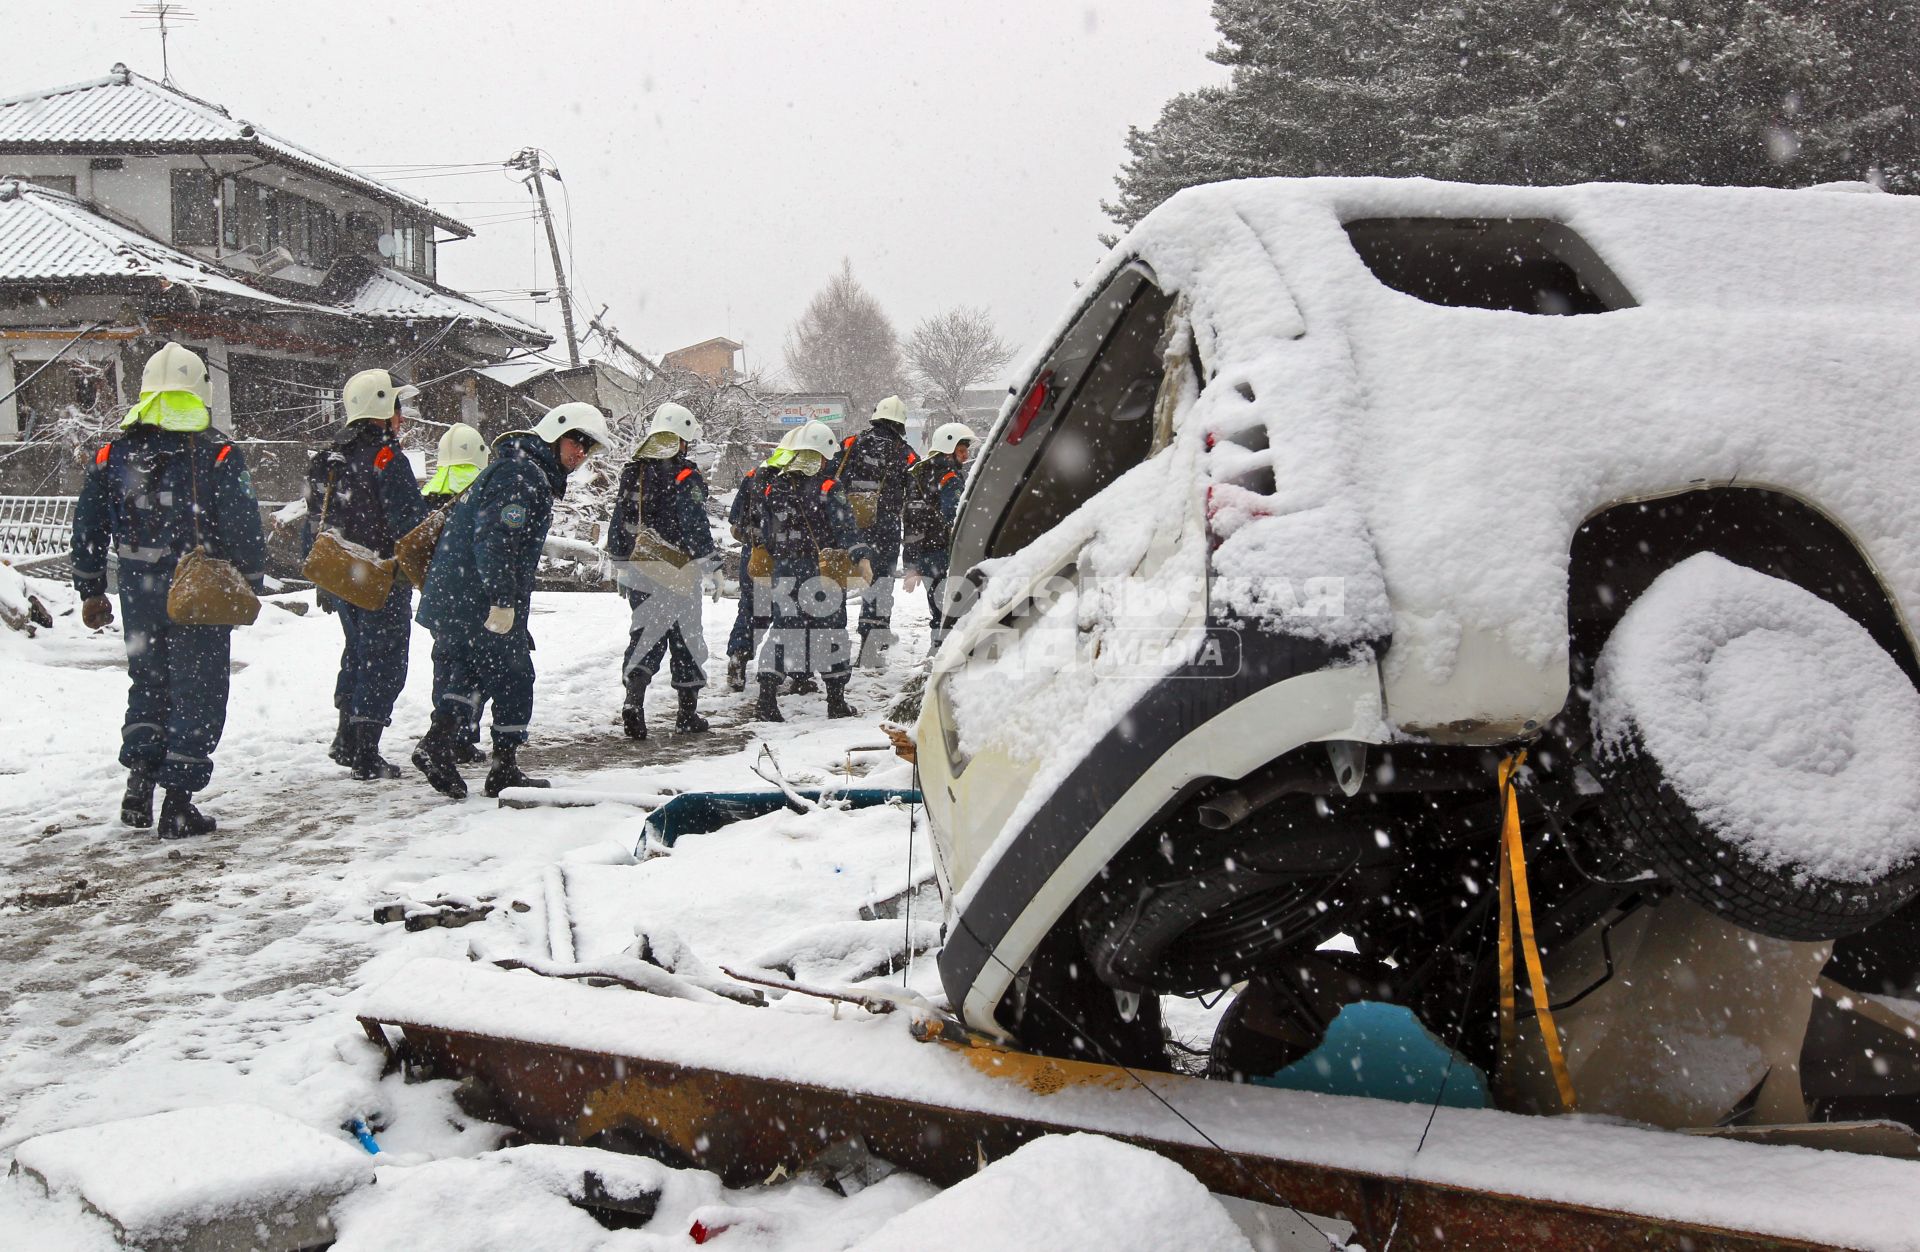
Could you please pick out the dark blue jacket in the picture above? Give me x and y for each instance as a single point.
(933, 501)
(799, 514)
(374, 499)
(743, 516)
(491, 546)
(877, 460)
(139, 498)
(667, 496)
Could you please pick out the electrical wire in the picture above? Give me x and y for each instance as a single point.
(1167, 1104)
(64, 349)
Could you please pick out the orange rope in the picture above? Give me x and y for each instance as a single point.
(1516, 907)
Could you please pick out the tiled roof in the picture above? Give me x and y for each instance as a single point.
(49, 237)
(388, 293)
(129, 112)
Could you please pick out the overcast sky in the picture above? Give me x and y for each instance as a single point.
(721, 157)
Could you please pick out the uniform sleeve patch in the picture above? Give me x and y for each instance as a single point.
(912, 457)
(381, 459)
(222, 455)
(514, 516)
(100, 457)
(683, 475)
(951, 475)
(826, 486)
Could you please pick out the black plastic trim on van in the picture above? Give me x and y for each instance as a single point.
(1179, 704)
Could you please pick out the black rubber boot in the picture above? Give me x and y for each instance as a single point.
(506, 772)
(179, 819)
(368, 764)
(467, 752)
(434, 756)
(767, 708)
(688, 720)
(136, 807)
(736, 673)
(873, 649)
(633, 714)
(837, 705)
(801, 685)
(341, 753)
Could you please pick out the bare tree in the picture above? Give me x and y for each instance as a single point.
(844, 342)
(953, 352)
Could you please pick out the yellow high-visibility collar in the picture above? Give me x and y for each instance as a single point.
(178, 411)
(450, 480)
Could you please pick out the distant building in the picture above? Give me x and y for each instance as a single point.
(132, 213)
(711, 359)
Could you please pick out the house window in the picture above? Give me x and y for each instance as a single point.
(257, 218)
(56, 182)
(195, 218)
(67, 400)
(413, 247)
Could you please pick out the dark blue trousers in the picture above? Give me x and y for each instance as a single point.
(482, 667)
(809, 630)
(177, 692)
(876, 600)
(749, 621)
(373, 664)
(442, 671)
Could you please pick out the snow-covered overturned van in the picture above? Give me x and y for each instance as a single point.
(1330, 496)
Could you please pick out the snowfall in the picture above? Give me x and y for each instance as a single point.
(217, 981)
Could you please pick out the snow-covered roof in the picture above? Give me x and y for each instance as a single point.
(47, 236)
(129, 112)
(514, 373)
(390, 294)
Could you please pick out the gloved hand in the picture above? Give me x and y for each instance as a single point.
(327, 603)
(96, 612)
(336, 461)
(499, 619)
(910, 579)
(866, 571)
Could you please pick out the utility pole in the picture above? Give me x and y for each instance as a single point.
(528, 159)
(598, 322)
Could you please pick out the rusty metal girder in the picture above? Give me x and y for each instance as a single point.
(743, 1127)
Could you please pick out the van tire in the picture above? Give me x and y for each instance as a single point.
(1653, 827)
(1662, 684)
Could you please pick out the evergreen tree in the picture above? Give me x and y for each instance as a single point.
(1754, 92)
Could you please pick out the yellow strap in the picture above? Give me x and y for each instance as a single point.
(1516, 905)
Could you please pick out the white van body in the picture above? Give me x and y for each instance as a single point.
(1376, 494)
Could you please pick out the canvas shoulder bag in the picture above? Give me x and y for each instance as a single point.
(206, 590)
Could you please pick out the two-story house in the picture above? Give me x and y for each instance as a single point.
(132, 212)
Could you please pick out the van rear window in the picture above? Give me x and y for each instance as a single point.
(1520, 265)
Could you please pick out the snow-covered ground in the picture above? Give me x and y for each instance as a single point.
(138, 976)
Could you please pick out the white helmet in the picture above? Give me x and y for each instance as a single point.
(949, 437)
(575, 416)
(675, 419)
(815, 437)
(176, 368)
(892, 409)
(372, 396)
(462, 445)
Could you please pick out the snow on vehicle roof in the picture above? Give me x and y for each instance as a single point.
(1773, 340)
(1434, 462)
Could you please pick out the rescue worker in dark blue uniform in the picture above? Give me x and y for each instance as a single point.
(873, 468)
(804, 514)
(479, 592)
(363, 490)
(461, 456)
(166, 484)
(926, 529)
(662, 546)
(750, 619)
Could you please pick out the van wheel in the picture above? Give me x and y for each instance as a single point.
(1756, 749)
